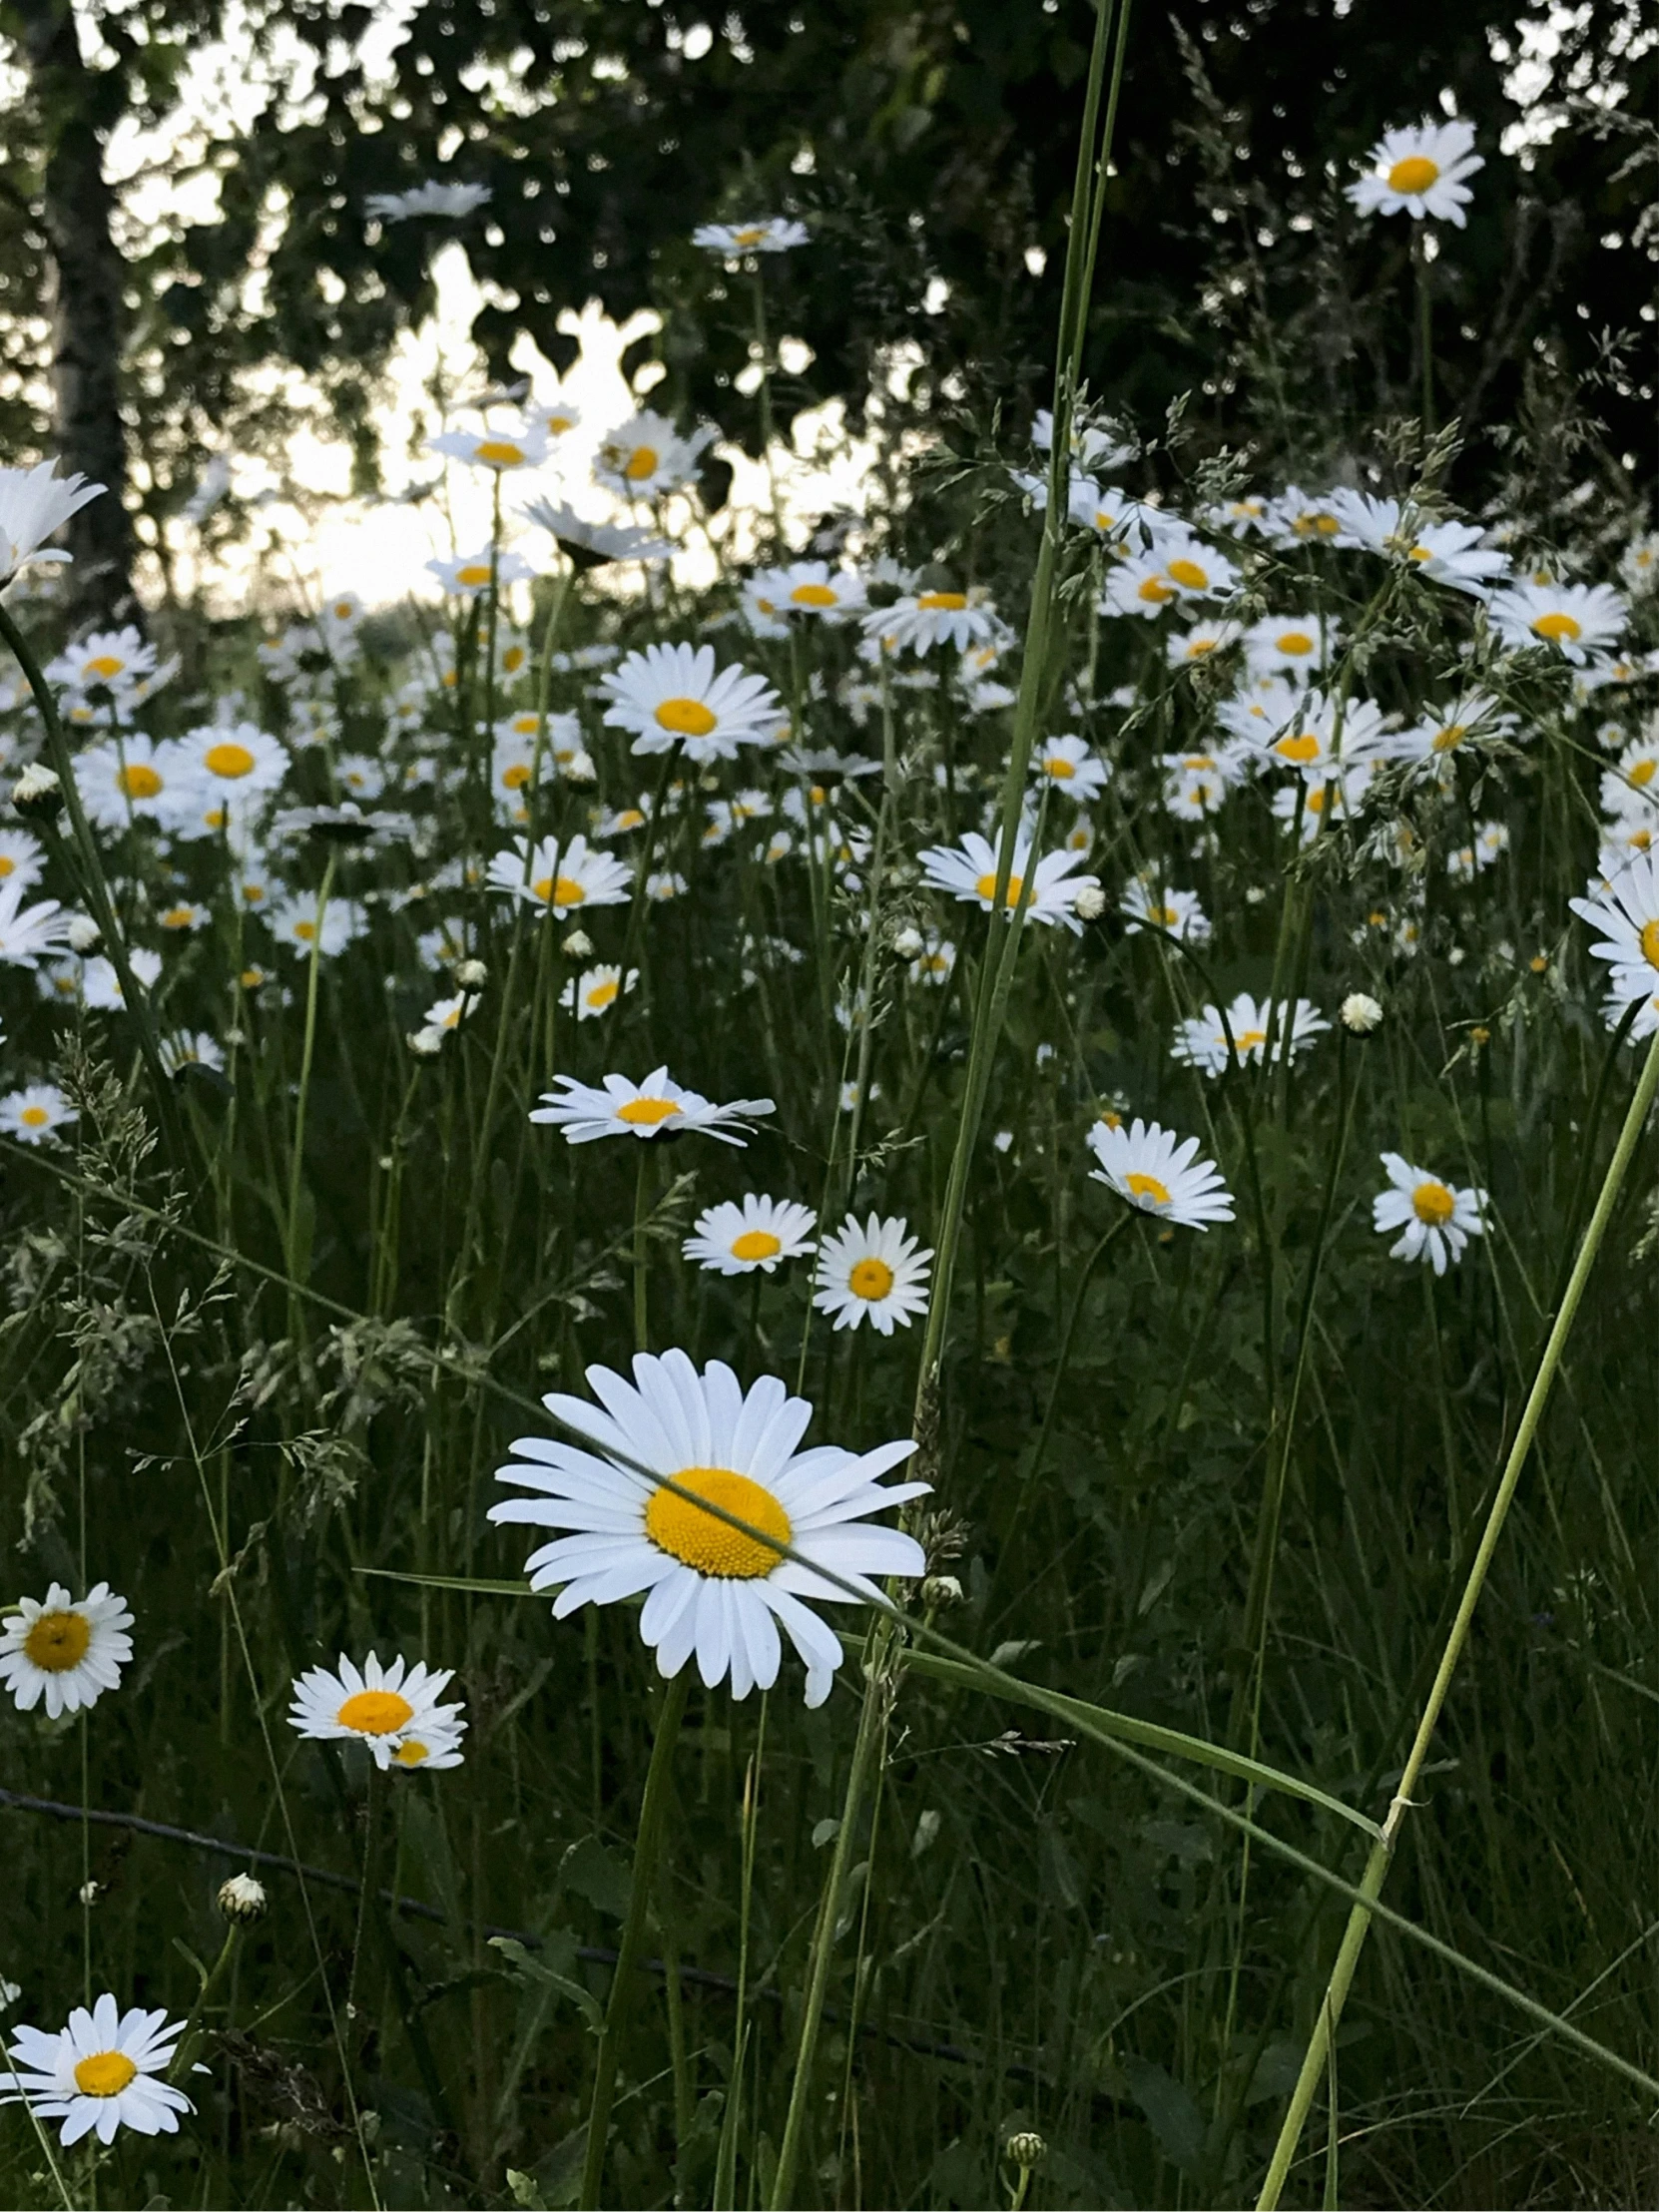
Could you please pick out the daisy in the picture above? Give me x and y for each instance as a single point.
(595, 990)
(1178, 913)
(735, 1240)
(99, 2073)
(1638, 565)
(1419, 171)
(561, 878)
(1447, 553)
(470, 573)
(1110, 513)
(1096, 446)
(101, 986)
(377, 1706)
(933, 960)
(809, 588)
(294, 923)
(1070, 764)
(1195, 783)
(875, 1273)
(239, 758)
(591, 544)
(137, 778)
(773, 233)
(921, 620)
(520, 445)
(1202, 1041)
(1289, 645)
(22, 858)
(33, 503)
(968, 871)
(1147, 1165)
(1138, 586)
(1200, 642)
(713, 1590)
(657, 1107)
(1435, 1221)
(1431, 743)
(646, 457)
(446, 1014)
(1574, 618)
(427, 199)
(670, 694)
(1626, 912)
(192, 1048)
(111, 658)
(65, 1652)
(28, 931)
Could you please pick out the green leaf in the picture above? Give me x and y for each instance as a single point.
(529, 1968)
(1169, 2112)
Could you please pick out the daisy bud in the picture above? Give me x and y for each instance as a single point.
(89, 1893)
(908, 943)
(1088, 905)
(426, 1042)
(581, 770)
(37, 794)
(1361, 1013)
(940, 1590)
(1026, 2149)
(83, 932)
(241, 1900)
(578, 945)
(471, 976)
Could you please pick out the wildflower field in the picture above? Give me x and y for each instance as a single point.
(827, 1326)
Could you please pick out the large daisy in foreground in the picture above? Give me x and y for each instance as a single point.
(1159, 1173)
(968, 871)
(674, 695)
(98, 2074)
(1420, 171)
(711, 1588)
(1435, 1220)
(658, 1107)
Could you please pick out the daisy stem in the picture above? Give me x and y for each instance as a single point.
(1425, 327)
(726, 2159)
(95, 887)
(296, 1163)
(1381, 1856)
(653, 1809)
(637, 904)
(645, 1191)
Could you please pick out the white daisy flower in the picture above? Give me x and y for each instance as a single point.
(713, 1590)
(99, 2073)
(137, 778)
(1096, 446)
(186, 1048)
(672, 695)
(1290, 645)
(447, 1015)
(737, 1239)
(1138, 586)
(1419, 171)
(380, 1707)
(1201, 641)
(873, 1273)
(1449, 553)
(1431, 743)
(22, 858)
(560, 878)
(1108, 511)
(1145, 901)
(1202, 1041)
(923, 620)
(239, 758)
(1195, 783)
(101, 986)
(520, 445)
(65, 1652)
(591, 544)
(185, 914)
(427, 199)
(935, 959)
(1638, 564)
(658, 1107)
(108, 658)
(28, 931)
(646, 457)
(1576, 619)
(773, 233)
(295, 924)
(1068, 762)
(968, 872)
(809, 588)
(1626, 912)
(1435, 1221)
(1161, 1173)
(595, 990)
(33, 503)
(469, 573)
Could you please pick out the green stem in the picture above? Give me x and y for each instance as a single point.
(296, 1164)
(645, 1847)
(645, 1186)
(1381, 1856)
(1426, 328)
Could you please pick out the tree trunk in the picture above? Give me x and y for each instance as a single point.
(89, 311)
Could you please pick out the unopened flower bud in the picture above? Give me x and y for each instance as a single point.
(83, 933)
(471, 976)
(581, 770)
(37, 794)
(89, 1893)
(1361, 1013)
(1088, 905)
(1026, 2149)
(908, 943)
(940, 1590)
(578, 945)
(241, 1900)
(426, 1042)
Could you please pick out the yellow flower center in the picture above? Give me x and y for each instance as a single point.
(1450, 736)
(629, 819)
(229, 759)
(105, 2074)
(751, 235)
(1316, 800)
(305, 929)
(105, 666)
(559, 890)
(1189, 573)
(178, 917)
(756, 1244)
(1419, 553)
(1155, 592)
(516, 776)
(1556, 626)
(872, 1278)
(345, 609)
(375, 1713)
(1147, 1186)
(942, 602)
(140, 781)
(1061, 768)
(1433, 1203)
(474, 573)
(1415, 174)
(34, 1117)
(712, 1546)
(987, 888)
(686, 718)
(1295, 642)
(813, 595)
(1641, 775)
(1246, 1040)
(641, 463)
(7, 865)
(1650, 943)
(499, 453)
(1165, 916)
(411, 1754)
(1302, 748)
(648, 1113)
(56, 1641)
(1198, 647)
